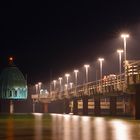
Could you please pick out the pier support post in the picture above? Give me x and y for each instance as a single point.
(66, 106)
(135, 102)
(75, 106)
(85, 105)
(11, 107)
(45, 107)
(97, 108)
(113, 105)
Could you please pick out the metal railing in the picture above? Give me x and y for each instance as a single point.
(113, 84)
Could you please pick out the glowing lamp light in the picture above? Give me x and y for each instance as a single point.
(119, 51)
(101, 59)
(124, 35)
(67, 74)
(11, 58)
(76, 71)
(86, 66)
(39, 83)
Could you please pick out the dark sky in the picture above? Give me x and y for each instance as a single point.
(59, 36)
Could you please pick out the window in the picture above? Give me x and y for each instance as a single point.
(15, 94)
(10, 93)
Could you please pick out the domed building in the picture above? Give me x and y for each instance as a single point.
(13, 87)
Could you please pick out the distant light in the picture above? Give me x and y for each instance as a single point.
(54, 81)
(41, 90)
(11, 58)
(60, 78)
(101, 59)
(39, 83)
(120, 51)
(125, 35)
(67, 74)
(71, 84)
(86, 66)
(66, 86)
(36, 85)
(76, 71)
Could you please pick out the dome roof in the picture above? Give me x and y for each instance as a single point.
(12, 84)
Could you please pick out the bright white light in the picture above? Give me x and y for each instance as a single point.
(101, 59)
(76, 71)
(71, 84)
(86, 66)
(60, 78)
(41, 91)
(37, 114)
(125, 35)
(67, 74)
(54, 81)
(39, 83)
(119, 51)
(66, 86)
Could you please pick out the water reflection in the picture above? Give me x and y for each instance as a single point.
(68, 127)
(100, 128)
(10, 129)
(71, 127)
(38, 126)
(86, 128)
(75, 123)
(120, 129)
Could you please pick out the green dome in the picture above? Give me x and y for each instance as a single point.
(12, 84)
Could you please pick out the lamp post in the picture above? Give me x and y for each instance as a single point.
(101, 71)
(124, 37)
(71, 84)
(54, 84)
(39, 86)
(76, 74)
(36, 88)
(86, 68)
(60, 82)
(101, 66)
(120, 60)
(67, 75)
(66, 86)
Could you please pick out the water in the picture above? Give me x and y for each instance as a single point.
(67, 127)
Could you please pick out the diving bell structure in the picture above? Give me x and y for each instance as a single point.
(13, 85)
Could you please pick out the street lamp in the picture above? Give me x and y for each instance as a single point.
(67, 77)
(66, 86)
(124, 36)
(120, 60)
(76, 73)
(60, 82)
(36, 88)
(54, 84)
(86, 67)
(39, 86)
(71, 84)
(101, 64)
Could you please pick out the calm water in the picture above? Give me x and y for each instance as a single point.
(67, 127)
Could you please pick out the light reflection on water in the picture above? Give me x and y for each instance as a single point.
(85, 128)
(70, 127)
(121, 130)
(10, 133)
(100, 128)
(38, 126)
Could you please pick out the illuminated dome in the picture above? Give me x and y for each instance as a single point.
(12, 84)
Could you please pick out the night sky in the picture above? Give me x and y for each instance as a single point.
(60, 36)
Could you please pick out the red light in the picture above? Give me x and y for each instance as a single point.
(11, 58)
